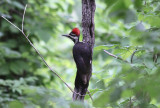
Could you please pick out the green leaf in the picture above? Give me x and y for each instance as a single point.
(70, 8)
(138, 4)
(105, 47)
(127, 93)
(16, 104)
(18, 5)
(18, 66)
(44, 35)
(116, 94)
(1, 34)
(150, 19)
(2, 82)
(92, 92)
(4, 69)
(77, 104)
(109, 3)
(103, 99)
(11, 53)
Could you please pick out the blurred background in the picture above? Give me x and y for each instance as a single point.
(129, 29)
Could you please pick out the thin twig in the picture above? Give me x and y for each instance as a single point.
(130, 102)
(12, 24)
(155, 57)
(115, 56)
(133, 55)
(111, 54)
(39, 53)
(24, 15)
(90, 95)
(26, 36)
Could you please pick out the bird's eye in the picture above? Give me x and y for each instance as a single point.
(72, 34)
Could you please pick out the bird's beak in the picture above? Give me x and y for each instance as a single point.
(66, 35)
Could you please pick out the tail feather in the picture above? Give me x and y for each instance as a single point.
(79, 94)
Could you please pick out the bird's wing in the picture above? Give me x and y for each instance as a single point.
(82, 56)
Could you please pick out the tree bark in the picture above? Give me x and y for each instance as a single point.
(88, 10)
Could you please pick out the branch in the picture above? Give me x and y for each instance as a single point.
(12, 23)
(37, 51)
(23, 16)
(130, 102)
(90, 95)
(115, 56)
(155, 57)
(26, 36)
(133, 55)
(39, 54)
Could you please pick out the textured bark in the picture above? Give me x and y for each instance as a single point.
(88, 10)
(82, 51)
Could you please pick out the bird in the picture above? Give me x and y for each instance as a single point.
(82, 54)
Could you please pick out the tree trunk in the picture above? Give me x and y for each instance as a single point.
(88, 10)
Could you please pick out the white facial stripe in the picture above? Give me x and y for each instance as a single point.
(75, 37)
(72, 34)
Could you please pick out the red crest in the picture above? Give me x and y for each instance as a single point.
(76, 31)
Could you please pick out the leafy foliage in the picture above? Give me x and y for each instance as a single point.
(128, 29)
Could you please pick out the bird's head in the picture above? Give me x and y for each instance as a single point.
(74, 35)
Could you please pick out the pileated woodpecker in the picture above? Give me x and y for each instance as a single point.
(82, 54)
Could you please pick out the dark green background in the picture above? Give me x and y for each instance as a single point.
(121, 27)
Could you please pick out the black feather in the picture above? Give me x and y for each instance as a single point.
(83, 58)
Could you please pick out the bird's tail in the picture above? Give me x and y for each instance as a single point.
(79, 94)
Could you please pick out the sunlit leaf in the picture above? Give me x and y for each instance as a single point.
(16, 104)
